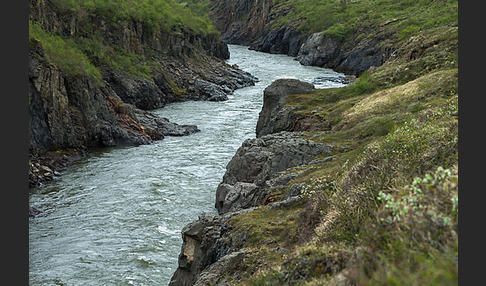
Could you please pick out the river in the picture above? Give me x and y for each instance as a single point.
(115, 217)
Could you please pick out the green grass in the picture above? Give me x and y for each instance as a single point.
(384, 210)
(105, 55)
(338, 20)
(64, 53)
(259, 225)
(82, 56)
(89, 52)
(166, 15)
(386, 215)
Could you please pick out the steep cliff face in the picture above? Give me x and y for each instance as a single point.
(77, 112)
(250, 22)
(240, 21)
(68, 113)
(179, 58)
(257, 24)
(133, 36)
(72, 113)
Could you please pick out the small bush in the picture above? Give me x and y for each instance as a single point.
(337, 32)
(317, 194)
(415, 242)
(364, 84)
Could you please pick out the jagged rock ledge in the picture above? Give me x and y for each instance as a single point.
(71, 114)
(259, 166)
(247, 178)
(75, 114)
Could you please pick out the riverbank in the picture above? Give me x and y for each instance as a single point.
(346, 36)
(363, 178)
(93, 77)
(117, 213)
(377, 206)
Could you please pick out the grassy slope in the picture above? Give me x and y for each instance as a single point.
(344, 18)
(167, 15)
(384, 211)
(83, 55)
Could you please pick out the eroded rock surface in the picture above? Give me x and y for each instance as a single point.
(259, 160)
(204, 243)
(274, 116)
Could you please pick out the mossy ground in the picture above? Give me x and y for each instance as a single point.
(384, 210)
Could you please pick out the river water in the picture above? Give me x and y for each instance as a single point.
(115, 217)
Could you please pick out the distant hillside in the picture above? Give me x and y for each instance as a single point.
(352, 35)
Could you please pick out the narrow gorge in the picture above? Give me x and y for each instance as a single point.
(72, 110)
(320, 142)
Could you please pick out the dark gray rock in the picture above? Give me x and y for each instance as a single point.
(257, 161)
(295, 190)
(67, 112)
(318, 50)
(283, 41)
(154, 125)
(211, 91)
(286, 202)
(140, 92)
(240, 21)
(227, 264)
(204, 243)
(274, 117)
(238, 196)
(347, 57)
(279, 182)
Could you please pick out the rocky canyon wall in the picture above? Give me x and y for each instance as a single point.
(76, 112)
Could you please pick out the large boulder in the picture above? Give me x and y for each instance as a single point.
(258, 161)
(140, 92)
(204, 243)
(318, 50)
(274, 116)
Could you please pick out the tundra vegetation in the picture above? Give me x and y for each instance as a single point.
(85, 54)
(384, 211)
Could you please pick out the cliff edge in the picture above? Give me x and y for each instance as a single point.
(93, 79)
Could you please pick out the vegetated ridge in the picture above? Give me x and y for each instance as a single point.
(345, 186)
(96, 67)
(347, 36)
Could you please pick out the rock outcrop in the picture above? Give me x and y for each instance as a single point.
(260, 160)
(140, 92)
(69, 112)
(347, 57)
(259, 165)
(81, 113)
(256, 24)
(274, 117)
(205, 251)
(286, 40)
